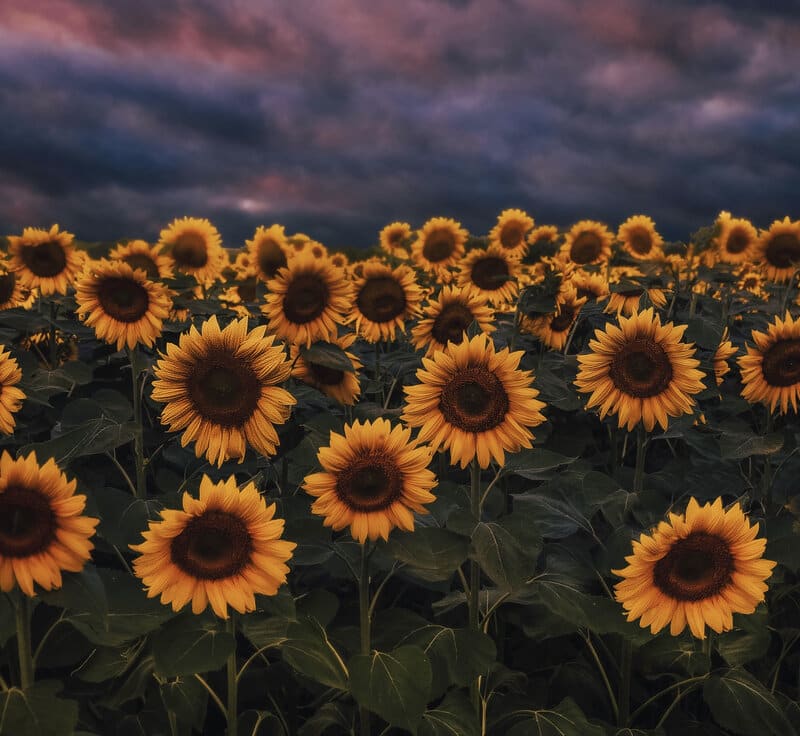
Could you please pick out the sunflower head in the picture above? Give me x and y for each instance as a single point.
(140, 254)
(221, 549)
(12, 293)
(268, 251)
(474, 401)
(42, 530)
(553, 329)
(307, 300)
(593, 286)
(341, 385)
(221, 388)
(640, 371)
(11, 397)
(439, 244)
(696, 569)
(195, 248)
(778, 249)
(45, 259)
(542, 235)
(736, 241)
(122, 306)
(510, 231)
(374, 478)
(393, 239)
(492, 273)
(587, 242)
(725, 351)
(639, 238)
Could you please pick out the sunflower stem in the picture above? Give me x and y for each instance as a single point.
(138, 437)
(231, 711)
(23, 616)
(624, 694)
(53, 343)
(475, 570)
(641, 451)
(364, 626)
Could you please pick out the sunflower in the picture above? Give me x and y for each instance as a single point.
(39, 344)
(771, 370)
(553, 329)
(640, 371)
(342, 386)
(628, 301)
(492, 273)
(122, 306)
(307, 245)
(543, 234)
(779, 249)
(374, 476)
(698, 568)
(737, 239)
(268, 251)
(439, 244)
(393, 237)
(307, 300)
(221, 549)
(383, 299)
(139, 254)
(11, 397)
(474, 401)
(220, 388)
(448, 318)
(594, 286)
(588, 242)
(12, 293)
(42, 531)
(725, 350)
(510, 231)
(640, 239)
(195, 248)
(340, 260)
(44, 259)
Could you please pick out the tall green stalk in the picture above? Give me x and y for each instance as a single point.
(138, 437)
(53, 336)
(233, 686)
(364, 626)
(475, 569)
(23, 620)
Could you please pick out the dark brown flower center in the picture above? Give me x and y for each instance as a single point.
(144, 262)
(44, 260)
(372, 482)
(224, 389)
(7, 283)
(781, 363)
(190, 250)
(640, 241)
(27, 522)
(451, 323)
(396, 236)
(214, 545)
(123, 299)
(305, 299)
(783, 250)
(381, 299)
(563, 320)
(474, 400)
(737, 241)
(511, 235)
(489, 273)
(695, 568)
(324, 375)
(641, 368)
(439, 245)
(246, 290)
(586, 248)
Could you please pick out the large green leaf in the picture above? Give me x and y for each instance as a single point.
(93, 437)
(454, 716)
(744, 706)
(535, 463)
(36, 711)
(328, 355)
(555, 519)
(184, 646)
(430, 553)
(309, 650)
(566, 719)
(738, 445)
(501, 555)
(187, 699)
(395, 685)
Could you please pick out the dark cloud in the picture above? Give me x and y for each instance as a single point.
(337, 117)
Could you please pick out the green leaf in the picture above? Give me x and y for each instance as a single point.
(187, 699)
(457, 656)
(83, 591)
(91, 438)
(566, 719)
(37, 711)
(430, 553)
(308, 650)
(328, 716)
(749, 639)
(395, 685)
(454, 716)
(741, 704)
(106, 663)
(501, 556)
(737, 446)
(534, 463)
(328, 355)
(184, 646)
(553, 518)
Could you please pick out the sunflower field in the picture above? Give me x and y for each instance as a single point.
(539, 481)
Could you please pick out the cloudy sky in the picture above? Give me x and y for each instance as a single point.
(334, 117)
